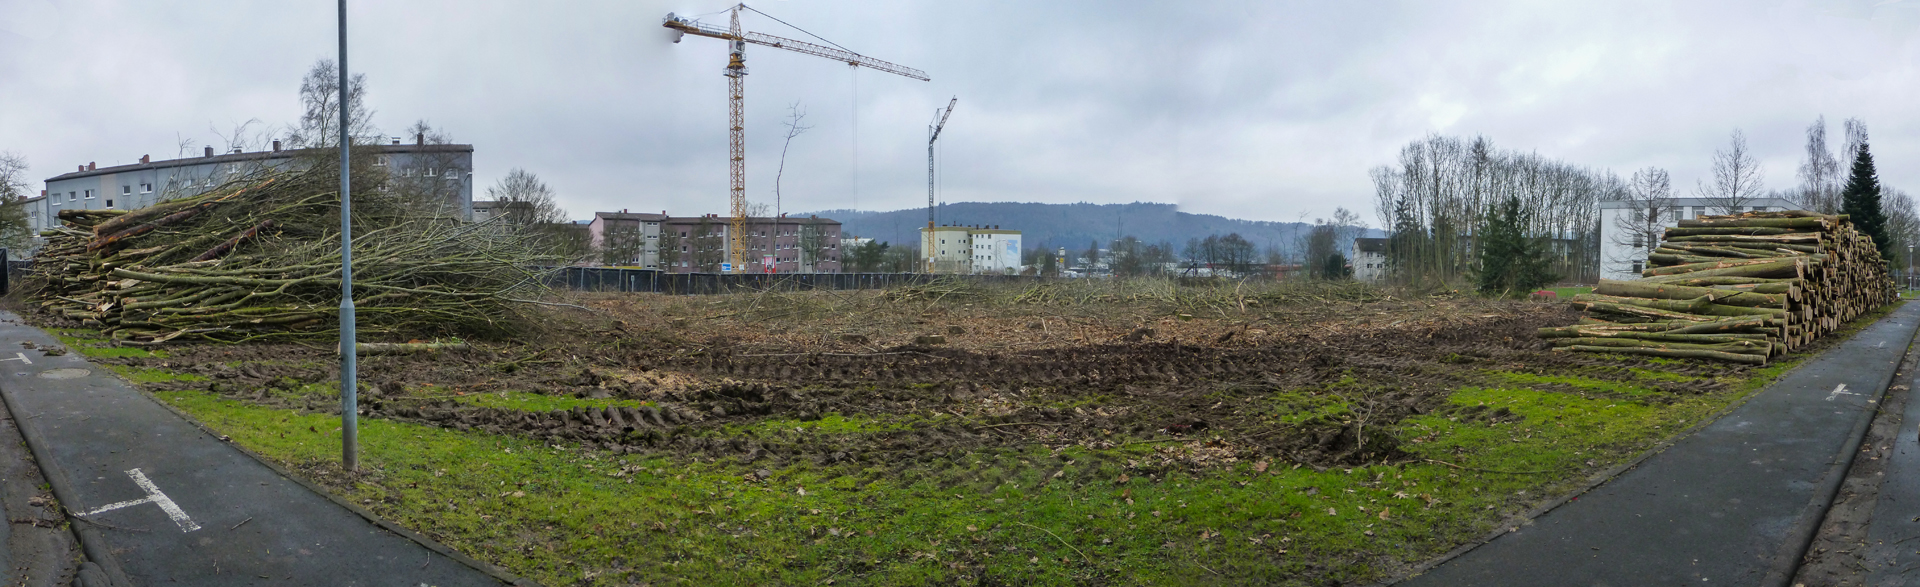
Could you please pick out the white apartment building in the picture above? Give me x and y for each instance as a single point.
(971, 249)
(1621, 258)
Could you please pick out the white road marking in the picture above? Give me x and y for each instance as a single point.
(22, 357)
(154, 496)
(1838, 390)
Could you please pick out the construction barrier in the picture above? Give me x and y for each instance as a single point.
(616, 279)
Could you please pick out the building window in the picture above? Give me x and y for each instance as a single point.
(380, 161)
(1637, 267)
(71, 196)
(1638, 242)
(1678, 213)
(432, 172)
(1699, 211)
(126, 189)
(109, 203)
(89, 194)
(146, 188)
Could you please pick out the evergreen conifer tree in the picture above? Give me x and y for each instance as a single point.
(1510, 261)
(1860, 201)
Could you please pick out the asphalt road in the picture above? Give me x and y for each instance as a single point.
(176, 505)
(1732, 504)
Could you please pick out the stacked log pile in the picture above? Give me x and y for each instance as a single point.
(259, 258)
(1739, 288)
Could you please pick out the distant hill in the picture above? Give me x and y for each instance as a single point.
(1072, 225)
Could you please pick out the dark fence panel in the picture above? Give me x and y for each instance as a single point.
(654, 281)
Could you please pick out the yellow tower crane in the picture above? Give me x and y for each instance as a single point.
(736, 72)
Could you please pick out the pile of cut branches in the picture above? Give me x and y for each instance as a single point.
(1737, 288)
(259, 258)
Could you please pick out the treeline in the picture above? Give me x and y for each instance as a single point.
(1439, 202)
(879, 257)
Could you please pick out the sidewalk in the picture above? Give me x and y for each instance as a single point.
(163, 502)
(38, 551)
(1732, 504)
(1895, 524)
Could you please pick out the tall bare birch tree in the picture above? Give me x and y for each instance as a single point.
(1738, 178)
(1820, 179)
(1649, 204)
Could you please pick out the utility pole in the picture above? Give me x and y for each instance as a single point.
(349, 368)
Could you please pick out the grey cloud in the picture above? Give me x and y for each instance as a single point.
(1264, 110)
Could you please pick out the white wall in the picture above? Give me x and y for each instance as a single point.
(1617, 260)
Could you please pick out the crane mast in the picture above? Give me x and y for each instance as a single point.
(737, 146)
(736, 72)
(933, 134)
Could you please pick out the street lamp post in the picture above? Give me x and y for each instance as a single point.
(349, 369)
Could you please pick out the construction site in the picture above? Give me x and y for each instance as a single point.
(306, 372)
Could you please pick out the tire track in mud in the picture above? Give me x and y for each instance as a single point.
(932, 403)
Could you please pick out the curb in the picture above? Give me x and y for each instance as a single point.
(91, 542)
(1800, 538)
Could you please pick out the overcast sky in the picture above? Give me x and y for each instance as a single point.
(1263, 110)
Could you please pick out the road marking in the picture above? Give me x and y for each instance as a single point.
(1838, 390)
(22, 357)
(154, 496)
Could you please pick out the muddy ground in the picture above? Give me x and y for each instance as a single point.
(1316, 382)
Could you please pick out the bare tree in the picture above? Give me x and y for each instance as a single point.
(1737, 177)
(527, 200)
(1347, 225)
(795, 115)
(436, 178)
(1903, 224)
(709, 246)
(813, 246)
(1639, 228)
(320, 103)
(528, 206)
(1856, 135)
(16, 230)
(1820, 177)
(669, 248)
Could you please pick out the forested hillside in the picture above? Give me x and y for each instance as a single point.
(1073, 225)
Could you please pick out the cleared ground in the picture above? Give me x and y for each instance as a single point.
(1069, 433)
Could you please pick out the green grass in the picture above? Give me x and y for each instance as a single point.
(90, 344)
(147, 375)
(1568, 292)
(562, 515)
